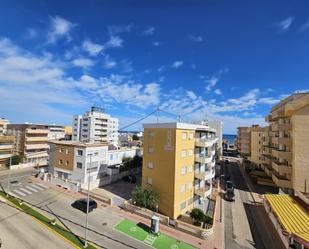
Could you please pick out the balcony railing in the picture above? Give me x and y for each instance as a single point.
(281, 154)
(205, 142)
(199, 175)
(36, 146)
(37, 131)
(282, 140)
(281, 181)
(281, 168)
(6, 147)
(201, 158)
(37, 139)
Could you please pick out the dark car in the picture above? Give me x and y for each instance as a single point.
(129, 178)
(81, 204)
(229, 194)
(227, 176)
(229, 186)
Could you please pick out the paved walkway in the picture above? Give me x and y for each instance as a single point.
(215, 241)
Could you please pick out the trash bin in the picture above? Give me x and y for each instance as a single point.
(155, 220)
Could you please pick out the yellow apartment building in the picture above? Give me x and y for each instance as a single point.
(179, 165)
(286, 143)
(256, 136)
(6, 148)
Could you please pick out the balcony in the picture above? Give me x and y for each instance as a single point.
(200, 158)
(277, 114)
(36, 139)
(205, 142)
(199, 175)
(281, 182)
(268, 169)
(281, 168)
(203, 192)
(266, 151)
(287, 155)
(6, 146)
(5, 156)
(282, 140)
(281, 127)
(36, 146)
(37, 131)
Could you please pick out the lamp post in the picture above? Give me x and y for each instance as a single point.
(86, 226)
(9, 176)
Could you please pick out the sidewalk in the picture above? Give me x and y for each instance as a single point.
(215, 241)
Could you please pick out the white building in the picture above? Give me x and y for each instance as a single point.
(218, 126)
(95, 126)
(115, 157)
(56, 132)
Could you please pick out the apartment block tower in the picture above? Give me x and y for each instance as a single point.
(243, 135)
(256, 137)
(179, 165)
(286, 143)
(95, 126)
(31, 142)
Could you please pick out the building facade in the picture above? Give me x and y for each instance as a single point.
(256, 137)
(95, 126)
(179, 165)
(286, 143)
(3, 125)
(56, 132)
(77, 161)
(243, 141)
(218, 126)
(31, 142)
(6, 148)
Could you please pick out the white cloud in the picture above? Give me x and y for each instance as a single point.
(218, 91)
(59, 28)
(149, 31)
(115, 29)
(92, 48)
(114, 42)
(83, 62)
(285, 24)
(177, 64)
(192, 95)
(268, 101)
(156, 43)
(212, 81)
(196, 38)
(109, 63)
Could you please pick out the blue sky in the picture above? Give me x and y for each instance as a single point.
(226, 60)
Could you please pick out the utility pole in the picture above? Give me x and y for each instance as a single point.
(9, 176)
(86, 226)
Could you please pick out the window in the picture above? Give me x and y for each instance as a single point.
(150, 165)
(190, 135)
(190, 201)
(184, 135)
(67, 151)
(60, 161)
(183, 188)
(183, 205)
(66, 162)
(183, 170)
(190, 185)
(96, 153)
(79, 165)
(183, 153)
(190, 152)
(80, 152)
(61, 150)
(190, 169)
(149, 180)
(151, 134)
(150, 150)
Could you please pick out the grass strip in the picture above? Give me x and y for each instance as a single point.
(74, 239)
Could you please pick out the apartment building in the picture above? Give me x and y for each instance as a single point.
(31, 142)
(218, 126)
(56, 132)
(256, 139)
(78, 161)
(179, 165)
(3, 125)
(286, 143)
(243, 135)
(6, 148)
(95, 126)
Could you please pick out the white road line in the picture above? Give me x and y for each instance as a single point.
(32, 189)
(25, 190)
(12, 194)
(42, 185)
(19, 192)
(37, 187)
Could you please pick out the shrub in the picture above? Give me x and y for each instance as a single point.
(144, 198)
(198, 215)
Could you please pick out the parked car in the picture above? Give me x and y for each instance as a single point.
(229, 186)
(81, 204)
(227, 161)
(227, 176)
(129, 178)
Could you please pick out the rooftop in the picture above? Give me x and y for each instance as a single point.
(292, 216)
(78, 144)
(177, 125)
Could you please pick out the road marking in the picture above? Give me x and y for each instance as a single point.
(37, 187)
(12, 194)
(41, 185)
(32, 189)
(25, 191)
(18, 192)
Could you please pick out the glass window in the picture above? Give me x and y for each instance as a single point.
(150, 165)
(150, 149)
(190, 135)
(80, 152)
(151, 134)
(183, 153)
(190, 169)
(60, 161)
(79, 165)
(67, 162)
(61, 150)
(183, 188)
(184, 135)
(183, 205)
(149, 180)
(183, 170)
(190, 152)
(67, 151)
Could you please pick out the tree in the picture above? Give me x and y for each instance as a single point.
(208, 219)
(15, 159)
(198, 216)
(135, 137)
(144, 198)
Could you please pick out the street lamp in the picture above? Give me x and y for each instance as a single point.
(9, 176)
(86, 226)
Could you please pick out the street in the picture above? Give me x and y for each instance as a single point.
(246, 226)
(18, 230)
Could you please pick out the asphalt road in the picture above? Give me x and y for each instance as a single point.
(245, 225)
(20, 231)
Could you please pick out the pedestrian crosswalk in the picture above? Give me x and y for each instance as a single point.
(28, 190)
(150, 239)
